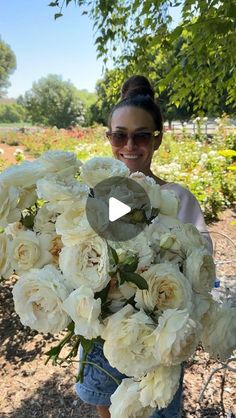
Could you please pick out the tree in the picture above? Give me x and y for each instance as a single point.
(54, 102)
(128, 29)
(11, 113)
(88, 99)
(7, 65)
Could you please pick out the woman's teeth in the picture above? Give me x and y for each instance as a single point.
(130, 157)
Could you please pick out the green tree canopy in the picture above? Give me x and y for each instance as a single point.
(7, 65)
(204, 68)
(54, 102)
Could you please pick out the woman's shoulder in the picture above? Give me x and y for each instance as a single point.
(180, 190)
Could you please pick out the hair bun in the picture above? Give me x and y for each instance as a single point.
(137, 85)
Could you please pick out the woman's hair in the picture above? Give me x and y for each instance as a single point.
(138, 92)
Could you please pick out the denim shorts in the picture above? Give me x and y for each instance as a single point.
(97, 387)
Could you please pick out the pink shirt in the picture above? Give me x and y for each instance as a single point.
(189, 210)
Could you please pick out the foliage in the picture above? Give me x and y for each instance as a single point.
(7, 65)
(88, 99)
(206, 36)
(11, 113)
(54, 102)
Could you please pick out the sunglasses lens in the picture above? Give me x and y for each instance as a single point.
(142, 138)
(119, 139)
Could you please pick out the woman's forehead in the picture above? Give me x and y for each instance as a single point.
(130, 117)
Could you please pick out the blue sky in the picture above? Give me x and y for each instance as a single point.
(44, 46)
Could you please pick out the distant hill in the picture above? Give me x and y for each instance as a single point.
(6, 100)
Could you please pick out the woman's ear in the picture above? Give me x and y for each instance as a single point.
(158, 141)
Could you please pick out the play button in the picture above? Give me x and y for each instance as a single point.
(118, 209)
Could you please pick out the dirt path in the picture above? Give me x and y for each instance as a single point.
(30, 389)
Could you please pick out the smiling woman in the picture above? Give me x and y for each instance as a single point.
(135, 133)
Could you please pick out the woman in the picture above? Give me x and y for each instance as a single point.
(135, 133)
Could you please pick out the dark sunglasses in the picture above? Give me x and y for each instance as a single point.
(119, 139)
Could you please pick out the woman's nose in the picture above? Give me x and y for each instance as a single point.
(130, 145)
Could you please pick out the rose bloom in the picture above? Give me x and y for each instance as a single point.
(98, 169)
(28, 250)
(86, 263)
(45, 220)
(5, 270)
(189, 237)
(84, 311)
(23, 175)
(168, 288)
(27, 197)
(199, 268)
(73, 225)
(125, 401)
(219, 330)
(61, 193)
(176, 337)
(63, 164)
(38, 296)
(9, 199)
(152, 189)
(159, 386)
(129, 341)
(169, 203)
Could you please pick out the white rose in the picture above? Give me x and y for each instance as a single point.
(168, 288)
(22, 175)
(129, 341)
(219, 330)
(166, 221)
(98, 169)
(86, 263)
(61, 193)
(170, 249)
(38, 298)
(73, 224)
(5, 270)
(62, 163)
(159, 386)
(55, 247)
(84, 311)
(176, 337)
(29, 250)
(45, 220)
(188, 236)
(27, 197)
(169, 203)
(14, 228)
(152, 189)
(9, 199)
(125, 401)
(199, 268)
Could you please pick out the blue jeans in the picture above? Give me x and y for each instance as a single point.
(98, 387)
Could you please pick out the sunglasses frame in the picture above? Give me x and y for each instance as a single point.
(124, 141)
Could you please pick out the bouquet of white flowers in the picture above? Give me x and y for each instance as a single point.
(147, 299)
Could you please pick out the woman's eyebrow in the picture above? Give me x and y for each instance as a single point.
(137, 129)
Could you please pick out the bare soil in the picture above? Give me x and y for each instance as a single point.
(29, 388)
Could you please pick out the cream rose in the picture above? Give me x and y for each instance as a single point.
(219, 330)
(84, 311)
(73, 224)
(169, 203)
(125, 401)
(168, 288)
(176, 337)
(189, 237)
(199, 268)
(38, 298)
(61, 163)
(45, 220)
(152, 189)
(98, 169)
(5, 270)
(129, 341)
(159, 386)
(27, 197)
(9, 199)
(86, 263)
(29, 250)
(22, 175)
(61, 194)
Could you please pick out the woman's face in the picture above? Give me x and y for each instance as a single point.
(130, 120)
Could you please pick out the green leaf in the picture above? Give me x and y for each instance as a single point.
(134, 278)
(57, 15)
(54, 351)
(113, 254)
(54, 4)
(103, 293)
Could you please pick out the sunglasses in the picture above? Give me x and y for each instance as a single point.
(119, 139)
